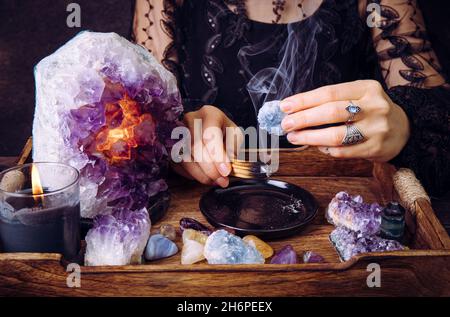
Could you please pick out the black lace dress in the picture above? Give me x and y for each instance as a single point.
(215, 60)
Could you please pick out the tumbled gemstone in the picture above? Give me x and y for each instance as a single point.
(286, 255)
(189, 223)
(263, 248)
(223, 247)
(192, 252)
(191, 234)
(168, 231)
(312, 257)
(159, 247)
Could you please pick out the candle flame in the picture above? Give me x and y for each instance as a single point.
(36, 186)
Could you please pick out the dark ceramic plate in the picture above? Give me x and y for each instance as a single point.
(268, 208)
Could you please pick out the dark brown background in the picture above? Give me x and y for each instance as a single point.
(33, 29)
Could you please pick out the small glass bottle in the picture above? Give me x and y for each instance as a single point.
(393, 222)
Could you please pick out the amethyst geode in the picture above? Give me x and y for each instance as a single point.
(118, 238)
(351, 212)
(349, 243)
(107, 107)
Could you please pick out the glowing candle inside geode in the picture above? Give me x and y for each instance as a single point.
(107, 107)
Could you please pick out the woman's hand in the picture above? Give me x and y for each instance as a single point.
(208, 161)
(384, 124)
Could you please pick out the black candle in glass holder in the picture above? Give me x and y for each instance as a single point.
(40, 209)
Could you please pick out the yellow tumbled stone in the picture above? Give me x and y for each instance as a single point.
(263, 248)
(191, 234)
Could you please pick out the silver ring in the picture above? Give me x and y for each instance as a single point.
(352, 110)
(352, 135)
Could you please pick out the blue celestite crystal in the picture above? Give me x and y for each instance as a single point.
(223, 247)
(159, 247)
(270, 117)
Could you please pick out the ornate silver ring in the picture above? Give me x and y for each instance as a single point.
(352, 110)
(352, 135)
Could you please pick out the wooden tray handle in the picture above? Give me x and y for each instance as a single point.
(409, 188)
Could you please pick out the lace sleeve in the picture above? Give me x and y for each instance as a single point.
(413, 77)
(404, 51)
(154, 27)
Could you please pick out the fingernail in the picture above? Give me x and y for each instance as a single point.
(286, 105)
(290, 137)
(287, 123)
(222, 182)
(223, 169)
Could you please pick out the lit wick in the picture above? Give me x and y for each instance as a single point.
(36, 186)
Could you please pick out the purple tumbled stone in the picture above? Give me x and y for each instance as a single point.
(189, 223)
(286, 255)
(350, 243)
(312, 257)
(351, 212)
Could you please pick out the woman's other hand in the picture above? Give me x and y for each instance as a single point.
(384, 124)
(209, 159)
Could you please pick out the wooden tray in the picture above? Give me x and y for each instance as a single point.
(422, 270)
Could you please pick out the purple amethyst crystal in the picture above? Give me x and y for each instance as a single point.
(312, 257)
(118, 239)
(351, 212)
(107, 107)
(286, 255)
(349, 243)
(189, 223)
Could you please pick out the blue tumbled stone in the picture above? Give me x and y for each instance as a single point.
(159, 247)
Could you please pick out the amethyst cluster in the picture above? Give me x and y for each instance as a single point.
(128, 168)
(107, 107)
(118, 238)
(358, 224)
(351, 212)
(349, 243)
